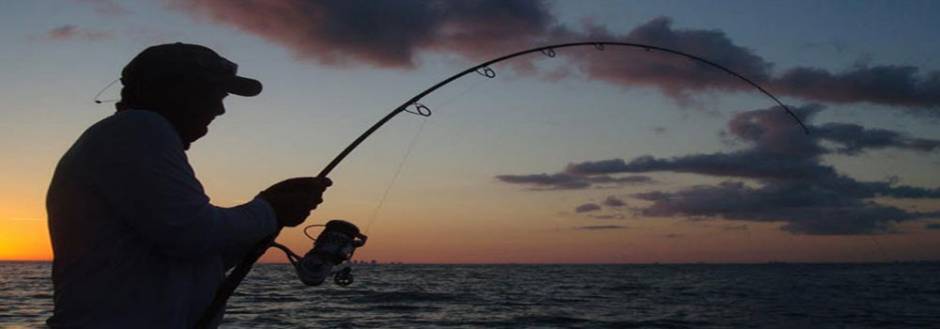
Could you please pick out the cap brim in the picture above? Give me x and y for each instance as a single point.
(242, 86)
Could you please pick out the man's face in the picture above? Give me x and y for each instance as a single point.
(195, 110)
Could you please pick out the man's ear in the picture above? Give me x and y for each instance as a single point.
(175, 96)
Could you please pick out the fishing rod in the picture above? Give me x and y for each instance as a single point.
(340, 238)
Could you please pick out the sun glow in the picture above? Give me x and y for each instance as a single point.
(24, 239)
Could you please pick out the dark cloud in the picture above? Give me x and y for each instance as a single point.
(614, 202)
(596, 167)
(737, 164)
(804, 208)
(887, 84)
(932, 226)
(794, 186)
(894, 85)
(395, 33)
(72, 32)
(674, 76)
(788, 181)
(854, 139)
(773, 132)
(546, 181)
(564, 181)
(381, 33)
(587, 207)
(600, 227)
(604, 180)
(779, 151)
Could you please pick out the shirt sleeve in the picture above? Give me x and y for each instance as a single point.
(234, 252)
(149, 180)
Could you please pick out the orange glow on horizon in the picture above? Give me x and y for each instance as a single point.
(24, 239)
(420, 240)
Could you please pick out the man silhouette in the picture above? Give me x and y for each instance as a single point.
(136, 242)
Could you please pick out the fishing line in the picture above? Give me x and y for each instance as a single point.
(401, 165)
(420, 110)
(411, 146)
(407, 154)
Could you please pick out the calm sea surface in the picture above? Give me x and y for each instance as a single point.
(558, 296)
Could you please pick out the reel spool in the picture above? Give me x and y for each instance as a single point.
(330, 255)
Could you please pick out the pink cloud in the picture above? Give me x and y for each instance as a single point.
(387, 34)
(72, 32)
(394, 34)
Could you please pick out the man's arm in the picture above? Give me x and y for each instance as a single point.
(149, 179)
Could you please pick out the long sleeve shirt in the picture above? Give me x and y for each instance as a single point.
(136, 242)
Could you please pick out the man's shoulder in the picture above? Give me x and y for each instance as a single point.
(136, 120)
(131, 125)
(128, 134)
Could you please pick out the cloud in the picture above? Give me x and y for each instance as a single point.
(855, 139)
(387, 34)
(614, 202)
(779, 151)
(787, 180)
(587, 207)
(72, 32)
(674, 76)
(564, 181)
(804, 208)
(394, 34)
(794, 187)
(932, 226)
(893, 85)
(546, 181)
(886, 84)
(599, 227)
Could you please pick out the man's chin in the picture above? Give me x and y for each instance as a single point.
(194, 137)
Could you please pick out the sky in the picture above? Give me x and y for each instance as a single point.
(613, 156)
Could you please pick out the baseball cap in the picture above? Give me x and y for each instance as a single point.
(175, 62)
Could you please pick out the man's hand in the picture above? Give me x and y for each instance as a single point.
(293, 199)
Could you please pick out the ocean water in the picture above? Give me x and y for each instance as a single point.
(904, 295)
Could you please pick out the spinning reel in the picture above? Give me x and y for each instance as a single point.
(331, 252)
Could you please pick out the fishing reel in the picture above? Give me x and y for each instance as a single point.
(331, 252)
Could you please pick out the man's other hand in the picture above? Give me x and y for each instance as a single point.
(293, 199)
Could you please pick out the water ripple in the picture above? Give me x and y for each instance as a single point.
(557, 296)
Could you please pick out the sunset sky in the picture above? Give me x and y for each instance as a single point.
(614, 156)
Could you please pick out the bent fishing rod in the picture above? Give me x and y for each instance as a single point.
(348, 237)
